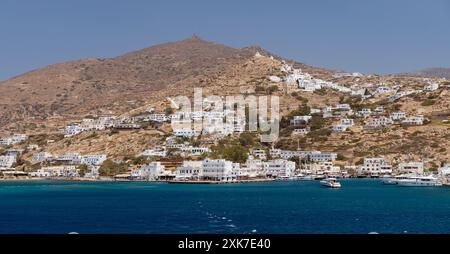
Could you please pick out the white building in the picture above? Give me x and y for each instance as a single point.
(56, 171)
(375, 166)
(185, 132)
(70, 158)
(193, 150)
(14, 139)
(301, 131)
(413, 120)
(378, 123)
(300, 120)
(343, 125)
(220, 170)
(159, 118)
(259, 153)
(42, 156)
(279, 168)
(340, 128)
(253, 167)
(189, 170)
(365, 112)
(384, 90)
(149, 172)
(72, 130)
(445, 170)
(157, 152)
(94, 160)
(318, 156)
(7, 161)
(379, 110)
(411, 167)
(275, 79)
(399, 115)
(431, 87)
(343, 107)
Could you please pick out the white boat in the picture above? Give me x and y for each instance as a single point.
(419, 181)
(392, 180)
(330, 183)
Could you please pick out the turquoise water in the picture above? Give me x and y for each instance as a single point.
(361, 206)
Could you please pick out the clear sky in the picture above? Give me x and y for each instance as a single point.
(385, 36)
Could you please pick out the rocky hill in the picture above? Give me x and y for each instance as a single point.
(42, 102)
(116, 84)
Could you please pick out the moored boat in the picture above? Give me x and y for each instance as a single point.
(419, 181)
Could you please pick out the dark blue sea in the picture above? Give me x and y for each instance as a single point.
(360, 206)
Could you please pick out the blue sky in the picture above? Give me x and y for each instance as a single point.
(367, 36)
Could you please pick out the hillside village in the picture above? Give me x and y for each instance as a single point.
(333, 124)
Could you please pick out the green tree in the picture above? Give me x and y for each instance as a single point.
(246, 139)
(236, 153)
(168, 111)
(82, 169)
(111, 168)
(317, 122)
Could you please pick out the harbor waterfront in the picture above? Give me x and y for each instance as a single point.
(361, 206)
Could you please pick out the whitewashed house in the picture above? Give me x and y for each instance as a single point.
(413, 120)
(398, 115)
(376, 166)
(445, 170)
(159, 118)
(343, 125)
(70, 158)
(93, 160)
(14, 139)
(379, 110)
(218, 170)
(340, 128)
(57, 171)
(431, 87)
(72, 130)
(275, 153)
(365, 112)
(279, 168)
(259, 153)
(275, 79)
(185, 132)
(315, 111)
(383, 90)
(148, 172)
(7, 161)
(318, 156)
(378, 123)
(41, 156)
(253, 167)
(157, 152)
(190, 170)
(345, 107)
(301, 131)
(300, 120)
(191, 150)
